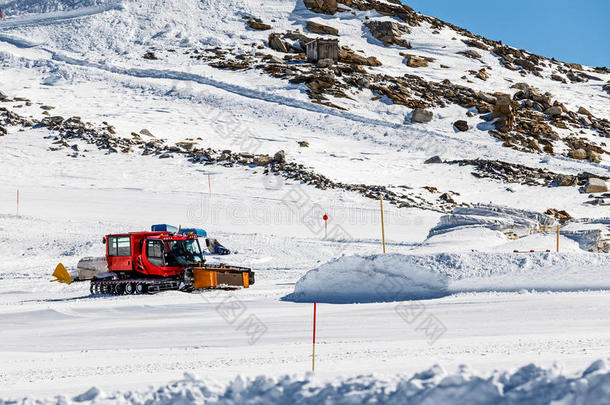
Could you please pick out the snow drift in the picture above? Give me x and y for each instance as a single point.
(396, 277)
(528, 385)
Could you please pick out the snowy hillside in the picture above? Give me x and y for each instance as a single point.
(119, 114)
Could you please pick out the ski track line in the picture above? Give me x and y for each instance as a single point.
(58, 16)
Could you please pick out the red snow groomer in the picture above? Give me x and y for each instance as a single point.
(150, 262)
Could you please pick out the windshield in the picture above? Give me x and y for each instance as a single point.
(183, 252)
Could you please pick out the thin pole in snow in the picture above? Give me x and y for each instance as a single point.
(313, 356)
(209, 185)
(558, 238)
(382, 225)
(17, 202)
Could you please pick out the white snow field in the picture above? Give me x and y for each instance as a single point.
(445, 317)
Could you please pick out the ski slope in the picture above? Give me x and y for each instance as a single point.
(497, 312)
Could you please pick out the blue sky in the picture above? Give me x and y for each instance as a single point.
(571, 31)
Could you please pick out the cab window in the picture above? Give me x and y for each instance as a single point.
(154, 252)
(119, 246)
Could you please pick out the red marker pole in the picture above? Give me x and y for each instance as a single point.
(325, 218)
(313, 356)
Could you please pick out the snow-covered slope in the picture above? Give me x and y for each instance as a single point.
(81, 80)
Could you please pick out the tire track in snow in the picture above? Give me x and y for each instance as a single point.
(58, 16)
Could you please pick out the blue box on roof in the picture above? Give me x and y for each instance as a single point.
(196, 231)
(163, 228)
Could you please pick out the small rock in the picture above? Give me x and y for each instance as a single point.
(447, 197)
(262, 160)
(471, 54)
(433, 160)
(150, 56)
(165, 156)
(583, 111)
(146, 132)
(3, 96)
(461, 125)
(303, 144)
(595, 185)
(257, 24)
(420, 115)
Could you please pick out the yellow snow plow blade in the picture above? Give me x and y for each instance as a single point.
(61, 275)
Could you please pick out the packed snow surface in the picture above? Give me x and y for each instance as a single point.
(528, 385)
(398, 277)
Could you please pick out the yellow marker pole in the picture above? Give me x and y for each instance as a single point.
(382, 225)
(557, 238)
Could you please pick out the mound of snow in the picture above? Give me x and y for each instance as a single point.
(396, 277)
(528, 385)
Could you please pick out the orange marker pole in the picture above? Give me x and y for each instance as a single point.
(313, 356)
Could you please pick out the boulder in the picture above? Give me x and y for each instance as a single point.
(420, 115)
(258, 25)
(146, 132)
(325, 63)
(279, 157)
(595, 185)
(578, 154)
(322, 6)
(504, 113)
(554, 111)
(566, 180)
(461, 125)
(583, 111)
(321, 29)
(277, 44)
(594, 157)
(3, 96)
(389, 32)
(416, 61)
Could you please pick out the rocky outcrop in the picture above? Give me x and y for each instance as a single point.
(321, 29)
(348, 56)
(322, 6)
(389, 32)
